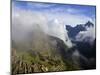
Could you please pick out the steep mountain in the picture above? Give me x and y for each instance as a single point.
(89, 24)
(73, 31)
(40, 53)
(84, 50)
(83, 55)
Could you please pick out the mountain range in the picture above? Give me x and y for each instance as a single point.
(83, 50)
(40, 52)
(73, 31)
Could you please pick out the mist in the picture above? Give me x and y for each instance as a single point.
(87, 36)
(24, 22)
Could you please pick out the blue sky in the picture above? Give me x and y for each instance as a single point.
(69, 13)
(56, 8)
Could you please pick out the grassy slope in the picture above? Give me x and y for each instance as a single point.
(43, 56)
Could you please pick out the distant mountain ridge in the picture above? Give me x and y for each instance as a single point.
(85, 50)
(73, 31)
(89, 24)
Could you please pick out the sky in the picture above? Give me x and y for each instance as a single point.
(71, 14)
(51, 18)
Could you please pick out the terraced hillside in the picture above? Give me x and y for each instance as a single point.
(47, 56)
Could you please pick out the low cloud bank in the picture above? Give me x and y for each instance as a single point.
(24, 22)
(87, 36)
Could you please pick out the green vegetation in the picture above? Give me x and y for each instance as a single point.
(26, 63)
(40, 57)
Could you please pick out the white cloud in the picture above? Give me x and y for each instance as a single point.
(87, 36)
(69, 19)
(24, 21)
(52, 23)
(57, 28)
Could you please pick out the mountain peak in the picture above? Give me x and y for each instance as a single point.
(89, 24)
